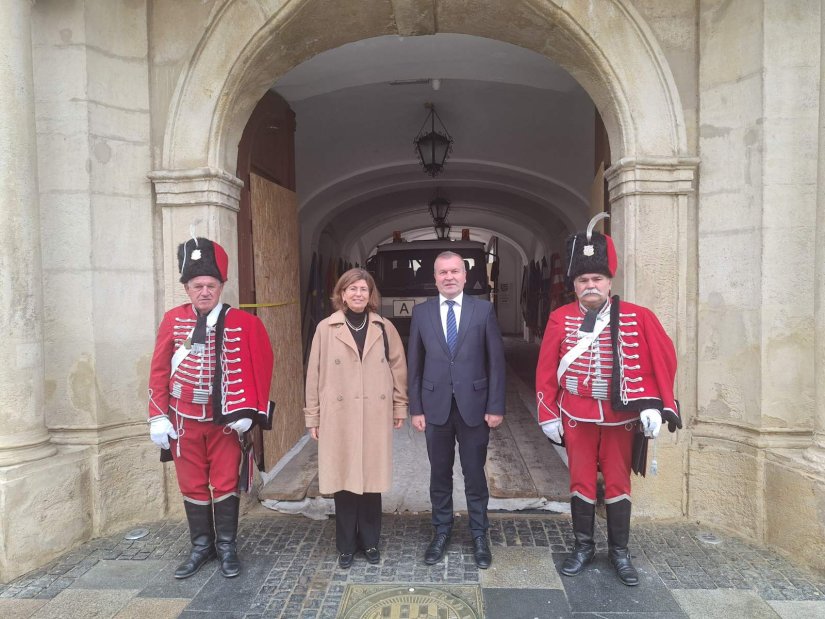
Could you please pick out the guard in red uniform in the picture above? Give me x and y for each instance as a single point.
(605, 373)
(209, 384)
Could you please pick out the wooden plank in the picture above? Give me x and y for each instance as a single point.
(275, 236)
(314, 490)
(293, 481)
(507, 474)
(547, 471)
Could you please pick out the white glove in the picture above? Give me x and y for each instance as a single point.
(651, 422)
(241, 426)
(160, 431)
(553, 430)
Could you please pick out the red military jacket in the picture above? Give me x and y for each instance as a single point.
(630, 367)
(243, 367)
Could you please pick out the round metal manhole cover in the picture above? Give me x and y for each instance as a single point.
(419, 602)
(136, 534)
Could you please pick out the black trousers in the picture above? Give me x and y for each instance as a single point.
(472, 451)
(357, 520)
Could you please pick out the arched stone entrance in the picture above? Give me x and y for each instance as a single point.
(605, 45)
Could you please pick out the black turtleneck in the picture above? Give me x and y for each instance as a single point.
(360, 336)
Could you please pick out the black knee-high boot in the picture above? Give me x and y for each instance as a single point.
(584, 516)
(226, 530)
(202, 534)
(618, 533)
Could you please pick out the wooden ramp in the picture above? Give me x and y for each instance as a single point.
(521, 462)
(292, 482)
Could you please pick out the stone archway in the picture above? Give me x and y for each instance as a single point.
(604, 44)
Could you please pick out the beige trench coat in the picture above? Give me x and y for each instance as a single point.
(353, 402)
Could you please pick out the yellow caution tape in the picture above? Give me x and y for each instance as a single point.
(244, 305)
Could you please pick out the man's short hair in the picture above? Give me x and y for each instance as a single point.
(444, 255)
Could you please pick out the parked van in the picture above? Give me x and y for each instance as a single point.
(403, 273)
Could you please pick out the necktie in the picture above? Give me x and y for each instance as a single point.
(452, 329)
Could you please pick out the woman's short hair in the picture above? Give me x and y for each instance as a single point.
(347, 280)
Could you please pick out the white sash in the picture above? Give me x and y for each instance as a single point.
(583, 344)
(180, 354)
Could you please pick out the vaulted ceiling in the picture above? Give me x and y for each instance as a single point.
(522, 162)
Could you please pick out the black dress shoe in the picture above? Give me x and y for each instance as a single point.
(345, 560)
(481, 552)
(436, 549)
(373, 555)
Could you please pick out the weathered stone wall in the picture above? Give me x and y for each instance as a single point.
(90, 74)
(758, 138)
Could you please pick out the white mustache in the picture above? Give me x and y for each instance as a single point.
(592, 291)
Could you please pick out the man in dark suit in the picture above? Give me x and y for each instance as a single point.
(456, 388)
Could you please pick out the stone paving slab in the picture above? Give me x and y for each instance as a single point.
(290, 570)
(598, 590)
(19, 609)
(521, 568)
(799, 610)
(699, 604)
(139, 608)
(526, 604)
(109, 574)
(85, 604)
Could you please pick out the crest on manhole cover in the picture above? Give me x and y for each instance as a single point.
(414, 602)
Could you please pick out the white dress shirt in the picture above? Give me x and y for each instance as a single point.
(442, 304)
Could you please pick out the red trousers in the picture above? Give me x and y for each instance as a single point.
(592, 447)
(209, 455)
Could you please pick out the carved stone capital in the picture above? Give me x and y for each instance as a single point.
(197, 187)
(651, 175)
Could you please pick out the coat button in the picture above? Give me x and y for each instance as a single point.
(337, 362)
(383, 397)
(340, 397)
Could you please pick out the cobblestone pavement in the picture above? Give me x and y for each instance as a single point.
(290, 570)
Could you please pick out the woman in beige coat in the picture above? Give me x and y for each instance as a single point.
(356, 393)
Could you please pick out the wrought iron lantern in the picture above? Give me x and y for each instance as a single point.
(439, 208)
(433, 147)
(442, 230)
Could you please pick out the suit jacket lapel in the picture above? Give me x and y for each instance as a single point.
(435, 316)
(467, 308)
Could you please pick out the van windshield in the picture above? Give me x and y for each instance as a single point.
(409, 272)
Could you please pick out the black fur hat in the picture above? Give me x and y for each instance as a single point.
(200, 256)
(590, 252)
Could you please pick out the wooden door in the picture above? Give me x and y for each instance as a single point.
(277, 289)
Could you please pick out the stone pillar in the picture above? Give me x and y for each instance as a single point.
(23, 435)
(203, 201)
(653, 225)
(816, 452)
